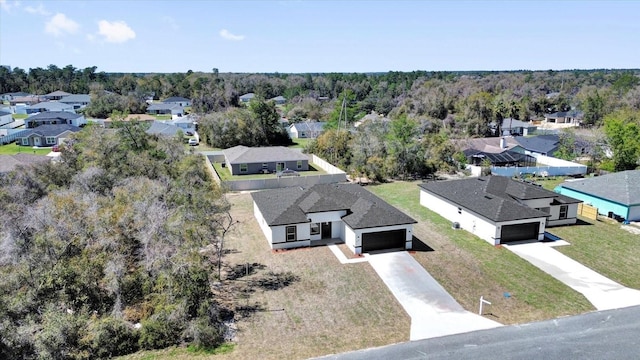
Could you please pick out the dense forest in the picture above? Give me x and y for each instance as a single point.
(125, 230)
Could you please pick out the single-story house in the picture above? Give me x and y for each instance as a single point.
(49, 106)
(77, 101)
(242, 160)
(25, 100)
(540, 144)
(11, 162)
(299, 217)
(505, 158)
(56, 95)
(499, 209)
(306, 129)
(165, 109)
(247, 97)
(47, 135)
(516, 127)
(55, 117)
(615, 195)
(565, 117)
(177, 100)
(9, 96)
(279, 100)
(5, 118)
(164, 129)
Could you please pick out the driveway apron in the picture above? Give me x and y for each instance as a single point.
(602, 292)
(433, 311)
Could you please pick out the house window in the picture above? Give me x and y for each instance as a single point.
(265, 165)
(299, 164)
(50, 140)
(315, 229)
(291, 233)
(25, 141)
(244, 168)
(563, 212)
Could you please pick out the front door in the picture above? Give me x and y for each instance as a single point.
(279, 166)
(36, 141)
(326, 230)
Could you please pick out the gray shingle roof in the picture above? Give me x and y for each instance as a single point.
(175, 99)
(58, 93)
(50, 106)
(309, 126)
(3, 113)
(494, 197)
(247, 96)
(50, 130)
(11, 162)
(513, 123)
(54, 115)
(76, 98)
(163, 129)
(364, 209)
(544, 144)
(622, 187)
(249, 155)
(161, 106)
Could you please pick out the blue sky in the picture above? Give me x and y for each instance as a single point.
(320, 36)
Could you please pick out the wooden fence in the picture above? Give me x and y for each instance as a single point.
(588, 211)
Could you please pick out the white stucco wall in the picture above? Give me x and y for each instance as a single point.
(266, 230)
(554, 219)
(634, 213)
(538, 203)
(468, 221)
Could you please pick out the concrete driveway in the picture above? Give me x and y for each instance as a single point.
(433, 311)
(602, 292)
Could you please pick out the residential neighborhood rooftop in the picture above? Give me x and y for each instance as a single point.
(621, 187)
(364, 209)
(50, 130)
(242, 154)
(54, 115)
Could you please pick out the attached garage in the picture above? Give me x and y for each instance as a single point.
(382, 240)
(518, 232)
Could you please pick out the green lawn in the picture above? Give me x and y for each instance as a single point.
(225, 175)
(300, 143)
(19, 116)
(551, 183)
(13, 148)
(468, 267)
(163, 117)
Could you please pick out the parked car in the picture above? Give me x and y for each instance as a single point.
(189, 133)
(193, 142)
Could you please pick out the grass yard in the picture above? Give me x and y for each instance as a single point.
(19, 116)
(300, 143)
(13, 148)
(604, 247)
(550, 183)
(468, 267)
(225, 174)
(330, 308)
(163, 117)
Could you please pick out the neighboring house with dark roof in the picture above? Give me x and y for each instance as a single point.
(306, 129)
(165, 109)
(177, 100)
(49, 106)
(540, 144)
(146, 118)
(55, 117)
(247, 97)
(516, 127)
(5, 118)
(242, 160)
(300, 217)
(11, 95)
(573, 117)
(505, 158)
(616, 194)
(56, 95)
(164, 129)
(77, 101)
(47, 135)
(11, 162)
(498, 209)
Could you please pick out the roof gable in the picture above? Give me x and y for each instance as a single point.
(364, 209)
(50, 130)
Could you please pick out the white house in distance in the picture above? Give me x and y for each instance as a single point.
(498, 209)
(177, 100)
(300, 217)
(306, 129)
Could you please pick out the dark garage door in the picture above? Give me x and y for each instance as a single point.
(519, 232)
(383, 240)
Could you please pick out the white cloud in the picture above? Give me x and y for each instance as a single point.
(8, 6)
(171, 22)
(225, 34)
(60, 24)
(39, 10)
(115, 31)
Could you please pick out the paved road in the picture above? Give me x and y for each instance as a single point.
(601, 291)
(611, 334)
(432, 310)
